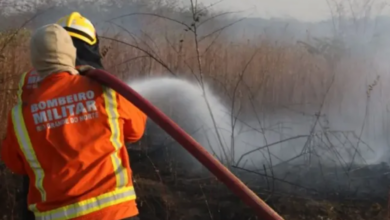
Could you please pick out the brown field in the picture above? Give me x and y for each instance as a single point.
(263, 71)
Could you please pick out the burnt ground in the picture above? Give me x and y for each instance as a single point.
(167, 191)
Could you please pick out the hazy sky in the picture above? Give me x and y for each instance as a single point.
(305, 10)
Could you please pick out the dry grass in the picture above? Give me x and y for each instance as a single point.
(264, 71)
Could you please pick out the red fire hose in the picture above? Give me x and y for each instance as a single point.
(263, 211)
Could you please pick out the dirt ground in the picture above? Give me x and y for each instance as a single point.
(166, 192)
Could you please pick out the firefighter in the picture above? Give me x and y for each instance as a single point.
(69, 138)
(86, 41)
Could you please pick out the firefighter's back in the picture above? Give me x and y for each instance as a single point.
(77, 133)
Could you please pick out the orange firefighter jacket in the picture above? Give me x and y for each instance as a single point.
(68, 136)
(29, 82)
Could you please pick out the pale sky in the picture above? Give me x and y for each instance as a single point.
(304, 10)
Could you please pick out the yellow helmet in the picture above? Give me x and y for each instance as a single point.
(79, 27)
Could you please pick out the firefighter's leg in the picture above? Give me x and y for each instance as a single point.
(27, 214)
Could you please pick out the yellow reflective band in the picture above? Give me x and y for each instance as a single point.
(113, 120)
(87, 206)
(85, 30)
(21, 84)
(81, 37)
(27, 149)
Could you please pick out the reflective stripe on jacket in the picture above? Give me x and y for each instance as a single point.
(69, 136)
(28, 82)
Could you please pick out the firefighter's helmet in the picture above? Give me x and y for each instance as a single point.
(79, 27)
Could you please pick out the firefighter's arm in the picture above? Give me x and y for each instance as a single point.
(134, 120)
(10, 153)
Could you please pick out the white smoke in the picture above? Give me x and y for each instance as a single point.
(285, 131)
(184, 102)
